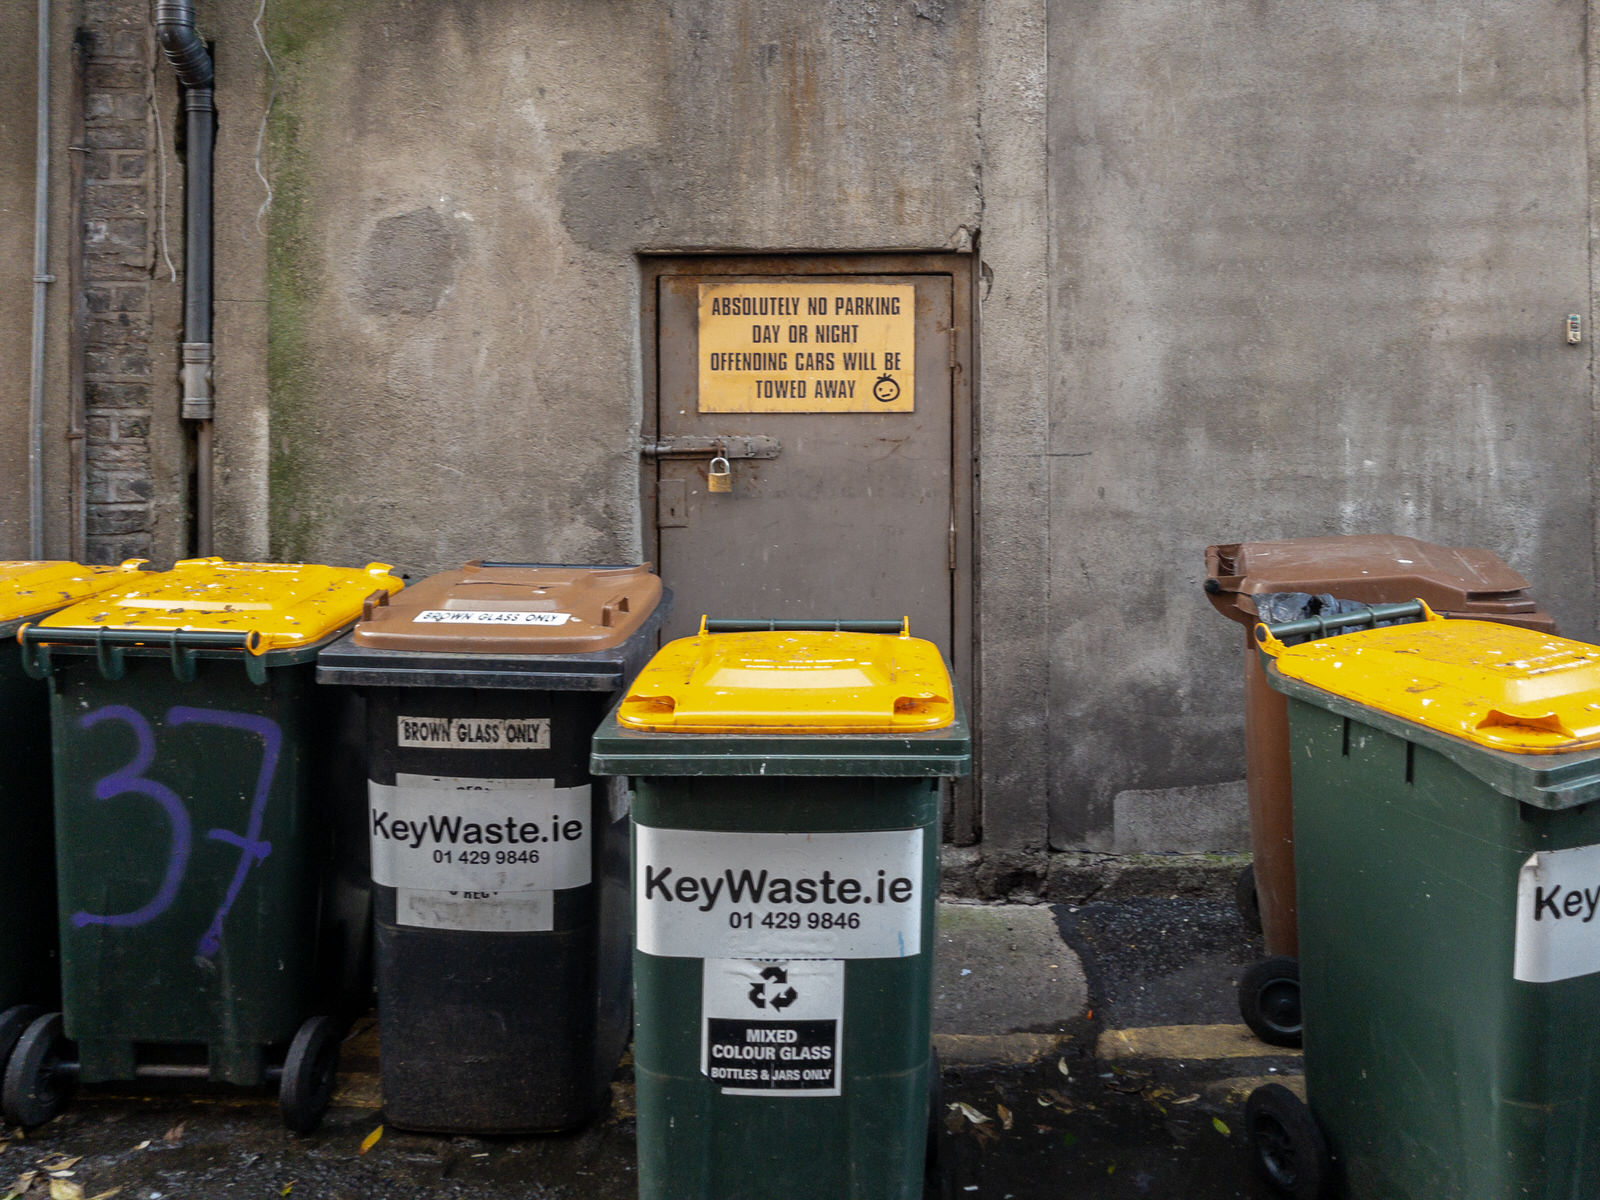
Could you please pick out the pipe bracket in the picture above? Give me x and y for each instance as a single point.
(196, 376)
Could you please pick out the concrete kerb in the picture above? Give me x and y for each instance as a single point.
(1077, 877)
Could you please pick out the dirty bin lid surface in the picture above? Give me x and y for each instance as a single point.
(515, 609)
(1372, 568)
(1497, 686)
(792, 682)
(286, 604)
(29, 588)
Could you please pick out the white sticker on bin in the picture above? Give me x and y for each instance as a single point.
(772, 1028)
(1558, 915)
(442, 834)
(473, 733)
(480, 912)
(485, 616)
(778, 895)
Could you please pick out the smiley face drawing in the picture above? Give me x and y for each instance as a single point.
(886, 390)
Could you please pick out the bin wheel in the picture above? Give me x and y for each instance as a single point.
(309, 1071)
(1247, 899)
(1288, 1143)
(35, 1089)
(12, 1023)
(1269, 1000)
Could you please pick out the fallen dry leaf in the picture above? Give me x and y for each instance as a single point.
(1050, 1098)
(1005, 1116)
(288, 1187)
(172, 1136)
(371, 1140)
(1189, 1099)
(105, 1195)
(970, 1113)
(1220, 1126)
(65, 1189)
(1061, 1065)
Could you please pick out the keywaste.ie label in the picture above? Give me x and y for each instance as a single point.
(771, 1027)
(479, 836)
(473, 733)
(699, 894)
(1558, 915)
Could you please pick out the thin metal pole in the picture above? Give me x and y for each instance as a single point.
(41, 261)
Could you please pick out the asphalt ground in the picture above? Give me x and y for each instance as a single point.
(1090, 1051)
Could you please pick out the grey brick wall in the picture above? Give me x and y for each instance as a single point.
(118, 262)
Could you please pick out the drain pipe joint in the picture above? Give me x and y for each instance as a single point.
(197, 402)
(185, 50)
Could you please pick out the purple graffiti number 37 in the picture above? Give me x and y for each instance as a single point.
(131, 780)
(251, 848)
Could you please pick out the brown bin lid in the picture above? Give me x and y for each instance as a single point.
(514, 609)
(1372, 569)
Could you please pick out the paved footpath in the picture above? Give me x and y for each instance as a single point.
(1091, 1052)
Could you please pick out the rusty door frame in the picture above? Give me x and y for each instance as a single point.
(963, 823)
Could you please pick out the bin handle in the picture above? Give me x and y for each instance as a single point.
(1269, 637)
(767, 625)
(491, 565)
(35, 659)
(110, 646)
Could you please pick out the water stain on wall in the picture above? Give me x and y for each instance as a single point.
(409, 262)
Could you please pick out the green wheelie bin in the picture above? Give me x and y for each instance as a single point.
(208, 927)
(29, 982)
(1446, 777)
(787, 782)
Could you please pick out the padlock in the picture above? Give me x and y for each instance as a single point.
(720, 477)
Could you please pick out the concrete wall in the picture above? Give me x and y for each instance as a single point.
(1309, 268)
(17, 30)
(462, 190)
(1247, 270)
(18, 52)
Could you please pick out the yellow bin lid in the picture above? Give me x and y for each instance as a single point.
(1496, 685)
(285, 604)
(30, 588)
(792, 682)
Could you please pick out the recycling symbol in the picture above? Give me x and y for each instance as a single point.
(778, 977)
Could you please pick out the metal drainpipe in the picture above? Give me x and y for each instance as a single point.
(192, 61)
(41, 279)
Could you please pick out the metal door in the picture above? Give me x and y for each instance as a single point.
(844, 512)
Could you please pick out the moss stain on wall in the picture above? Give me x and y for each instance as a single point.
(301, 33)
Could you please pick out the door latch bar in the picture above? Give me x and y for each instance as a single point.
(727, 446)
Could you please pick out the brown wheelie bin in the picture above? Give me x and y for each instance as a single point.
(1243, 577)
